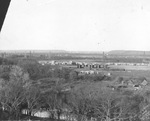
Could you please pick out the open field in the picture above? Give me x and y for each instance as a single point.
(129, 67)
(133, 73)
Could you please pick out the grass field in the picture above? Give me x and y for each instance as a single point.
(133, 73)
(128, 67)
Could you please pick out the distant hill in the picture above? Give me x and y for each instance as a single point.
(128, 52)
(33, 51)
(87, 52)
(50, 51)
(113, 52)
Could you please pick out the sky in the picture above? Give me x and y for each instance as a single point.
(77, 25)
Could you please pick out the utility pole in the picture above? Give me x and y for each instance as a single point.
(103, 54)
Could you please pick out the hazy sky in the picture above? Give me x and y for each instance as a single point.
(82, 25)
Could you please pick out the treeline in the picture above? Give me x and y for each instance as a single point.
(5, 61)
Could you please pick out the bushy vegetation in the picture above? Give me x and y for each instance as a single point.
(29, 85)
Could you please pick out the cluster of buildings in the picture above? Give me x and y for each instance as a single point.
(93, 67)
(132, 83)
(84, 72)
(77, 64)
(80, 67)
(89, 64)
(53, 62)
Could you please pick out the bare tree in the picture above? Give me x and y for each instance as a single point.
(12, 95)
(32, 95)
(13, 92)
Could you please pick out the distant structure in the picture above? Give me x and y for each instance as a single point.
(103, 57)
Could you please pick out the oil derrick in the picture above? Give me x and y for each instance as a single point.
(104, 57)
(144, 57)
(104, 60)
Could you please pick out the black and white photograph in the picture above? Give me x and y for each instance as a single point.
(74, 60)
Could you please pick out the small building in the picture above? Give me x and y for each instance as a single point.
(137, 83)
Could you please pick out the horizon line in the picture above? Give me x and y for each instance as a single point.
(4, 50)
